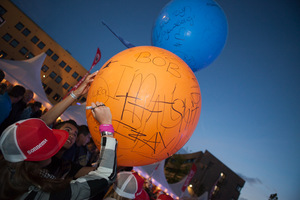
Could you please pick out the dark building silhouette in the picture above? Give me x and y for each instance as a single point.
(212, 175)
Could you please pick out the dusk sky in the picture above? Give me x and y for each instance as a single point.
(250, 117)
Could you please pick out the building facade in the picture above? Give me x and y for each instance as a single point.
(211, 176)
(22, 39)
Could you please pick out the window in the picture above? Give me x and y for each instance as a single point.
(79, 78)
(7, 37)
(75, 75)
(44, 85)
(19, 26)
(66, 85)
(56, 97)
(70, 89)
(58, 79)
(26, 32)
(49, 52)
(52, 75)
(35, 39)
(62, 64)
(23, 50)
(55, 57)
(2, 54)
(238, 188)
(2, 11)
(14, 43)
(2, 21)
(68, 68)
(45, 68)
(41, 45)
(30, 55)
(48, 91)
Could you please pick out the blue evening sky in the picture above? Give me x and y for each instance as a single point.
(250, 93)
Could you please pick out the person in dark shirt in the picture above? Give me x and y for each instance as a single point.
(8, 98)
(79, 152)
(60, 167)
(17, 109)
(28, 146)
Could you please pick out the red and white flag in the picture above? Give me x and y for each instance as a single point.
(189, 177)
(96, 60)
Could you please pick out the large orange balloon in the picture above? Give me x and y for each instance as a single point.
(155, 102)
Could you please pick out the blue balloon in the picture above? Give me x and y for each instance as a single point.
(194, 30)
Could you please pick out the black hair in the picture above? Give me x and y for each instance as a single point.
(83, 129)
(17, 91)
(37, 104)
(70, 121)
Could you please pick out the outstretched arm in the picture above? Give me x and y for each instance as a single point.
(103, 115)
(100, 179)
(50, 116)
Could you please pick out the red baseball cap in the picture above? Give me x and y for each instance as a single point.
(128, 184)
(164, 197)
(31, 140)
(142, 196)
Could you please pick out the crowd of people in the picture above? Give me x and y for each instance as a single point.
(45, 159)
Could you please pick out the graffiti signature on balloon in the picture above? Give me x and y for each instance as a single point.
(168, 109)
(180, 18)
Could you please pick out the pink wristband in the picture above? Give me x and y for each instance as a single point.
(106, 127)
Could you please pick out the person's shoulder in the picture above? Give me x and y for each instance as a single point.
(83, 148)
(69, 153)
(5, 102)
(4, 96)
(55, 162)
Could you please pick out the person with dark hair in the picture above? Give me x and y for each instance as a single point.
(19, 107)
(63, 123)
(60, 167)
(93, 152)
(16, 111)
(2, 75)
(30, 110)
(28, 146)
(37, 114)
(79, 153)
(8, 98)
(64, 168)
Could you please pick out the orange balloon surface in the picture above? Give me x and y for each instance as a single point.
(155, 102)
